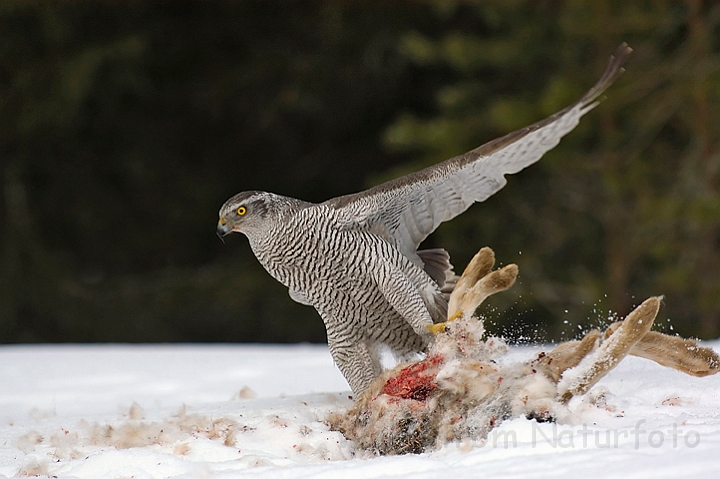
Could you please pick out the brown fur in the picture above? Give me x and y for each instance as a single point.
(675, 352)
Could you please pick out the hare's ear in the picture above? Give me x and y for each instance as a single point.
(614, 348)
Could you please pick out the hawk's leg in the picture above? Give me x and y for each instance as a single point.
(356, 362)
(405, 298)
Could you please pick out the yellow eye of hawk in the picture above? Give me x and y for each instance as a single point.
(241, 211)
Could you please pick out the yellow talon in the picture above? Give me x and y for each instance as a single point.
(440, 327)
(436, 328)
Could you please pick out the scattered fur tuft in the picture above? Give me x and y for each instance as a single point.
(34, 469)
(135, 432)
(28, 441)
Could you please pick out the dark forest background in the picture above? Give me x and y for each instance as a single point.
(124, 126)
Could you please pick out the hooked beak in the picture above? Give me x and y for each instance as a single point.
(223, 229)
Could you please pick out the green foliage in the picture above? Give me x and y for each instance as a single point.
(626, 206)
(123, 128)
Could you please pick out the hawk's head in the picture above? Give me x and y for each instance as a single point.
(244, 212)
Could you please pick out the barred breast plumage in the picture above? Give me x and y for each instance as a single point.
(355, 258)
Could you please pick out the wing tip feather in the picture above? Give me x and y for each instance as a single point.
(612, 72)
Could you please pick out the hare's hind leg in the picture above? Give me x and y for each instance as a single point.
(476, 284)
(480, 266)
(675, 352)
(615, 347)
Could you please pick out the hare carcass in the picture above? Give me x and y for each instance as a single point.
(462, 388)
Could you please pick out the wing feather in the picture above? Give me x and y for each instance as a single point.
(413, 206)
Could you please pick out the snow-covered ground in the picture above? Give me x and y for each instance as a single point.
(226, 411)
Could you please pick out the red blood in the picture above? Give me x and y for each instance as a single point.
(416, 381)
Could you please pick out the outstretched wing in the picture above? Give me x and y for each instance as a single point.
(409, 208)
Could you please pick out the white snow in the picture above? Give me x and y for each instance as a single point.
(208, 411)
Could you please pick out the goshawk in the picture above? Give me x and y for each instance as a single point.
(355, 259)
